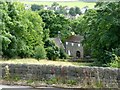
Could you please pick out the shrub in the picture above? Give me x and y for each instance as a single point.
(36, 7)
(114, 56)
(52, 50)
(115, 63)
(52, 53)
(49, 43)
(40, 52)
(63, 55)
(71, 82)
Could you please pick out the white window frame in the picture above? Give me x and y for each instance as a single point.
(66, 43)
(72, 44)
(69, 53)
(78, 45)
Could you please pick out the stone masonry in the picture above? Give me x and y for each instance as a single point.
(108, 77)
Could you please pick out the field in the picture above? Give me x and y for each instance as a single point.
(70, 4)
(43, 62)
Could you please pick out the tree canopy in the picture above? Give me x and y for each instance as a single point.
(55, 23)
(20, 35)
(100, 27)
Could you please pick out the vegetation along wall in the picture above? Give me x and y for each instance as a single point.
(104, 77)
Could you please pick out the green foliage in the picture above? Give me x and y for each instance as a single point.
(78, 25)
(114, 58)
(21, 30)
(52, 80)
(63, 54)
(15, 78)
(115, 63)
(36, 7)
(0, 46)
(46, 34)
(100, 28)
(55, 22)
(40, 52)
(61, 80)
(55, 4)
(77, 10)
(52, 53)
(72, 11)
(71, 82)
(61, 10)
(51, 49)
(99, 84)
(49, 43)
(30, 81)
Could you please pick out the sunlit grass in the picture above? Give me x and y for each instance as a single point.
(70, 4)
(43, 62)
(82, 64)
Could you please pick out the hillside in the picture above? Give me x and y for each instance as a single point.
(70, 3)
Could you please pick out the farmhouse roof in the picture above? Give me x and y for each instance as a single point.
(74, 38)
(57, 42)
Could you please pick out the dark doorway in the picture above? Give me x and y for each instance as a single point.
(78, 54)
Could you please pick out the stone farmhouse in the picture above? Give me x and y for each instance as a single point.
(72, 46)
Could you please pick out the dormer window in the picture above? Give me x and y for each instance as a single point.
(66, 43)
(72, 44)
(78, 45)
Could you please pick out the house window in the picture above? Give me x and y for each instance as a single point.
(66, 43)
(72, 44)
(78, 45)
(69, 52)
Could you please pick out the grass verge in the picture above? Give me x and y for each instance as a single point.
(43, 62)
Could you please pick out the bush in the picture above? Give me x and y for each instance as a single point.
(52, 53)
(115, 63)
(63, 55)
(52, 50)
(36, 7)
(40, 52)
(49, 43)
(114, 57)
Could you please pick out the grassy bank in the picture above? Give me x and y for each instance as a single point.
(43, 62)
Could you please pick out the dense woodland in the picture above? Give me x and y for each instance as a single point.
(27, 33)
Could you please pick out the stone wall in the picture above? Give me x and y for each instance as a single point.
(107, 77)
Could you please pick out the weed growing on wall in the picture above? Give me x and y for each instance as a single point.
(7, 73)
